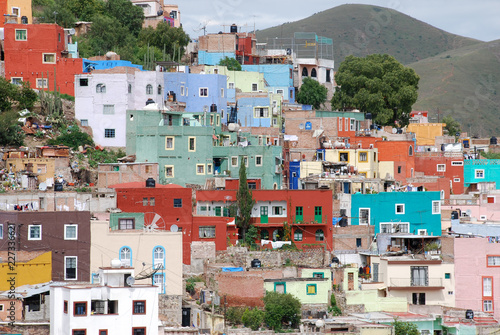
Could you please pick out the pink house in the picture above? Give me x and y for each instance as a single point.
(477, 274)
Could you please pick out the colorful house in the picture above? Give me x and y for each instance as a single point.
(38, 54)
(15, 11)
(481, 171)
(448, 165)
(425, 133)
(279, 78)
(396, 159)
(32, 267)
(403, 212)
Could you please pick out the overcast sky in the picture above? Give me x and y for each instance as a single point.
(476, 19)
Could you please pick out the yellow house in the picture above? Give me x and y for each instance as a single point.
(425, 133)
(31, 268)
(243, 80)
(15, 10)
(43, 167)
(365, 160)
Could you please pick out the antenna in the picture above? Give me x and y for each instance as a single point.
(203, 26)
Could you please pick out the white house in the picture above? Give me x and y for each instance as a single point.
(114, 306)
(103, 97)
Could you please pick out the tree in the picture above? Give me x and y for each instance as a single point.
(164, 37)
(26, 96)
(7, 94)
(376, 84)
(253, 318)
(312, 93)
(11, 133)
(405, 328)
(452, 125)
(281, 309)
(129, 15)
(244, 201)
(231, 63)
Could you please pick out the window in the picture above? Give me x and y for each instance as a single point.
(209, 168)
(400, 208)
(41, 168)
(98, 306)
(318, 275)
(16, 80)
(254, 87)
(158, 257)
(313, 73)
(340, 124)
(42, 83)
(277, 210)
(353, 124)
(203, 92)
(65, 307)
(344, 156)
(441, 168)
(418, 298)
(487, 305)
(35, 232)
(192, 144)
(234, 161)
(436, 207)
(260, 112)
(487, 286)
(363, 156)
(177, 203)
(419, 276)
(222, 93)
(139, 307)
(280, 91)
(103, 332)
(100, 88)
(364, 216)
(84, 82)
(129, 88)
(297, 235)
(245, 160)
(447, 275)
(258, 160)
(320, 235)
(49, 58)
(207, 232)
(479, 173)
(159, 89)
(280, 287)
(410, 151)
(126, 256)
(149, 89)
(230, 86)
(84, 122)
(108, 109)
(169, 143)
(299, 212)
(311, 289)
(139, 331)
(70, 267)
(80, 308)
(358, 242)
(456, 180)
(109, 133)
(159, 280)
(124, 224)
(200, 169)
(394, 227)
(16, 11)
(252, 185)
(79, 332)
(169, 171)
(70, 231)
(264, 234)
(21, 35)
(493, 260)
(1, 230)
(457, 163)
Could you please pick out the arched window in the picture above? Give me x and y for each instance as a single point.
(304, 72)
(159, 89)
(320, 236)
(410, 151)
(313, 73)
(149, 89)
(297, 236)
(126, 256)
(159, 257)
(278, 235)
(100, 88)
(264, 234)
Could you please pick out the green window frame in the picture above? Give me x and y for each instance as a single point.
(318, 275)
(311, 289)
(299, 213)
(298, 235)
(318, 213)
(280, 283)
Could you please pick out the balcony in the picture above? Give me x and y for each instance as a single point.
(407, 283)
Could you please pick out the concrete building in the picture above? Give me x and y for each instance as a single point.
(118, 173)
(15, 11)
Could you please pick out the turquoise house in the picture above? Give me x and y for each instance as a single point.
(482, 171)
(416, 213)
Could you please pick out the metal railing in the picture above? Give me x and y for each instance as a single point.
(407, 282)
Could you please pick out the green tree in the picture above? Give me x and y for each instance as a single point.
(11, 132)
(281, 309)
(26, 96)
(73, 137)
(253, 318)
(244, 201)
(164, 38)
(452, 125)
(312, 93)
(129, 16)
(64, 17)
(7, 94)
(377, 84)
(405, 328)
(231, 63)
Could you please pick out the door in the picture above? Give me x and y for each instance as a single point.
(186, 317)
(264, 218)
(350, 281)
(375, 272)
(318, 211)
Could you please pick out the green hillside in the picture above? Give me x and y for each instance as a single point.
(464, 83)
(366, 29)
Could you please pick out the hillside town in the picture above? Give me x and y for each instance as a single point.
(234, 204)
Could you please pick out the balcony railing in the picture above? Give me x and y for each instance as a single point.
(407, 282)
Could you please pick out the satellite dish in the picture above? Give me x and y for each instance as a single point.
(130, 281)
(42, 187)
(301, 126)
(394, 130)
(174, 228)
(153, 222)
(205, 108)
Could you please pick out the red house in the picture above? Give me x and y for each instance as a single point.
(448, 165)
(307, 212)
(37, 53)
(170, 206)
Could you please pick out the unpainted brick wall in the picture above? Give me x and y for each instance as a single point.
(170, 309)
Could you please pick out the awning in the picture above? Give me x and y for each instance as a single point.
(318, 132)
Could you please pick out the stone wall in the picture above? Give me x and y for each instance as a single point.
(200, 252)
(170, 310)
(448, 249)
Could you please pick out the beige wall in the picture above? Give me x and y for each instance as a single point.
(426, 133)
(111, 174)
(43, 167)
(24, 7)
(386, 169)
(106, 246)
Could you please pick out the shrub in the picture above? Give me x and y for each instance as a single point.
(253, 318)
(73, 137)
(281, 309)
(234, 315)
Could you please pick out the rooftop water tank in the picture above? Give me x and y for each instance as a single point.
(150, 182)
(256, 263)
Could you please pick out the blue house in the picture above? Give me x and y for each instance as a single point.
(294, 169)
(279, 77)
(416, 213)
(213, 58)
(481, 171)
(255, 111)
(198, 91)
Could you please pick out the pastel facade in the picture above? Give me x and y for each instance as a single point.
(404, 212)
(43, 168)
(279, 77)
(365, 160)
(15, 11)
(425, 133)
(447, 165)
(478, 171)
(31, 268)
(172, 15)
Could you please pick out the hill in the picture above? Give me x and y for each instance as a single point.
(366, 29)
(464, 83)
